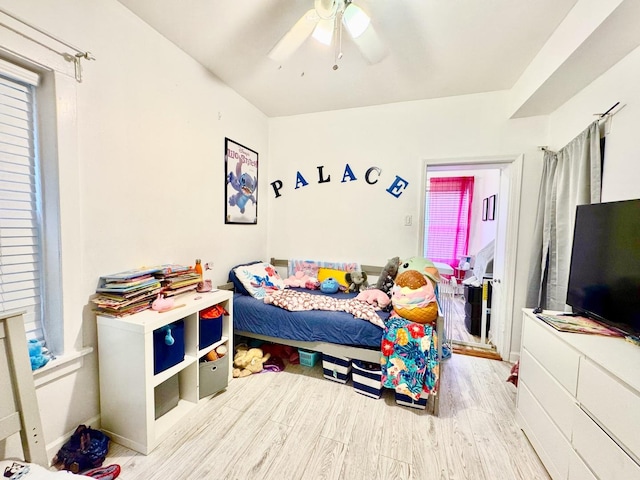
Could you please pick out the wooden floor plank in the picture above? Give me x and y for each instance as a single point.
(297, 425)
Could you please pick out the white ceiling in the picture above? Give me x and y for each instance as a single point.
(437, 48)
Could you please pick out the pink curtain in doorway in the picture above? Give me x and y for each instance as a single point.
(450, 200)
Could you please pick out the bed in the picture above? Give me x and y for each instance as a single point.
(331, 333)
(19, 414)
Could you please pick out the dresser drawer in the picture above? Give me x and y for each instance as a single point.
(551, 446)
(578, 470)
(603, 456)
(553, 354)
(554, 399)
(614, 405)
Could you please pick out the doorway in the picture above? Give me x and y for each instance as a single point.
(504, 174)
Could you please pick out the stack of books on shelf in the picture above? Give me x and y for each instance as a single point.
(177, 279)
(126, 293)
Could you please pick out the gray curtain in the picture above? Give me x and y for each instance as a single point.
(570, 177)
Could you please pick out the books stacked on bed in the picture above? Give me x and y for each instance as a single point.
(126, 293)
(177, 279)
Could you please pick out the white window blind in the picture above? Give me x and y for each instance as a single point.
(20, 219)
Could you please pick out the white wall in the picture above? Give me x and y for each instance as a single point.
(354, 220)
(151, 129)
(621, 176)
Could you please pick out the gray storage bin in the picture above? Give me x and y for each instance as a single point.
(166, 396)
(214, 376)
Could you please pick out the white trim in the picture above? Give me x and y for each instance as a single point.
(18, 73)
(34, 48)
(60, 366)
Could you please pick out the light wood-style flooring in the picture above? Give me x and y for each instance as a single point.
(297, 425)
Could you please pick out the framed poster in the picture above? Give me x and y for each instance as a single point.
(241, 184)
(485, 209)
(491, 208)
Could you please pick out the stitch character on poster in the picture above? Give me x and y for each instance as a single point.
(241, 184)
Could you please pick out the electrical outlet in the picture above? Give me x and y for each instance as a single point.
(408, 220)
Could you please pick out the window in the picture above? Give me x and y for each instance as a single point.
(29, 57)
(20, 206)
(448, 208)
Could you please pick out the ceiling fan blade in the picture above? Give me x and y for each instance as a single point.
(292, 40)
(370, 45)
(358, 24)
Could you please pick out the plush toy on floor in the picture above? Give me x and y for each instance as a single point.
(248, 360)
(357, 281)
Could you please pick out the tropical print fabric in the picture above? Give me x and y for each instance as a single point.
(410, 358)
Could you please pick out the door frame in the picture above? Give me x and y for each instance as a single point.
(511, 166)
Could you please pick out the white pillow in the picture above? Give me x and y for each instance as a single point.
(259, 279)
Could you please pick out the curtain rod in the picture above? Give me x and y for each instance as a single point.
(605, 115)
(602, 115)
(79, 55)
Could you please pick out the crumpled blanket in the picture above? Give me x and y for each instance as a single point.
(410, 363)
(299, 301)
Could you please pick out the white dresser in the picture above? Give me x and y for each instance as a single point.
(579, 402)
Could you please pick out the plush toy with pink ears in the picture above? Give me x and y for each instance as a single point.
(375, 297)
(300, 279)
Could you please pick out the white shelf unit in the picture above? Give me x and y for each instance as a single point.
(127, 379)
(579, 402)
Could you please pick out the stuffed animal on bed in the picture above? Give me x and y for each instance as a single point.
(330, 285)
(301, 280)
(413, 295)
(357, 281)
(375, 297)
(388, 275)
(422, 265)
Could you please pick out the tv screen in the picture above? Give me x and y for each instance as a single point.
(604, 277)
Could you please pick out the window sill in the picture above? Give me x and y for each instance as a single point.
(60, 366)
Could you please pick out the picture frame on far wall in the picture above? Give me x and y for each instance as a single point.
(240, 184)
(485, 211)
(491, 208)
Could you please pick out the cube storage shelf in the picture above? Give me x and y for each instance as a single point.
(132, 395)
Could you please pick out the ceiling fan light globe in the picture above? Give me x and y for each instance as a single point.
(324, 32)
(355, 20)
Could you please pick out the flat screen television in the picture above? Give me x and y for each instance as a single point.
(604, 277)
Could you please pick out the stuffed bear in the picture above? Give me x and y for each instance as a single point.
(248, 361)
(357, 281)
(388, 275)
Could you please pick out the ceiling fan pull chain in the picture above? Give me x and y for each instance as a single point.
(338, 50)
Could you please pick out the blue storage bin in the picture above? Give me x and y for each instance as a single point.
(168, 346)
(307, 357)
(407, 401)
(210, 331)
(336, 368)
(367, 378)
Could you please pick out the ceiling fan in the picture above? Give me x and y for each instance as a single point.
(324, 22)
